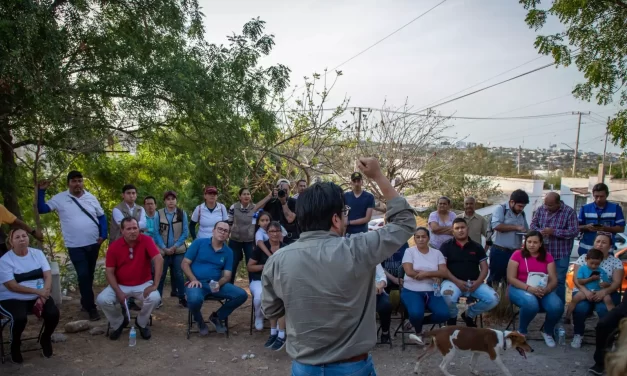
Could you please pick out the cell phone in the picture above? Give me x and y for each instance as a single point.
(597, 225)
(596, 272)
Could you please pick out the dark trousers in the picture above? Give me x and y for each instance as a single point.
(499, 259)
(17, 311)
(606, 326)
(238, 248)
(384, 309)
(84, 260)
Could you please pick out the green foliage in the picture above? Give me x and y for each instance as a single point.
(599, 32)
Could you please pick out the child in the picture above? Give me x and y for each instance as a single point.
(591, 276)
(261, 234)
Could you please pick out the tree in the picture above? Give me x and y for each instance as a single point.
(599, 32)
(75, 74)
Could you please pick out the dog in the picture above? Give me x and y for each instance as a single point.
(493, 342)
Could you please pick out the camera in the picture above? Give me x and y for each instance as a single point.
(282, 193)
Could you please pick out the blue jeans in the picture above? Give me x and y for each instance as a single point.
(234, 296)
(486, 297)
(416, 301)
(585, 307)
(84, 260)
(562, 269)
(176, 274)
(384, 309)
(530, 305)
(360, 368)
(498, 265)
(238, 248)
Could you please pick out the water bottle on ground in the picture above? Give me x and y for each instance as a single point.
(561, 334)
(436, 288)
(132, 337)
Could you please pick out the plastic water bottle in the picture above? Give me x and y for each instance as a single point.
(132, 337)
(436, 289)
(256, 215)
(468, 284)
(561, 335)
(40, 284)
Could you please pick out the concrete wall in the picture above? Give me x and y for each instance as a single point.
(534, 189)
(618, 188)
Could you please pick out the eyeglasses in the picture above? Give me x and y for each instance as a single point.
(130, 253)
(346, 210)
(222, 230)
(274, 231)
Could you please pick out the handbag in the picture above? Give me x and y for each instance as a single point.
(535, 279)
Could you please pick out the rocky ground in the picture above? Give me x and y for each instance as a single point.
(169, 352)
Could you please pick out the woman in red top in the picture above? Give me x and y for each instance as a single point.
(532, 297)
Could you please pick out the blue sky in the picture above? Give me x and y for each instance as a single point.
(459, 44)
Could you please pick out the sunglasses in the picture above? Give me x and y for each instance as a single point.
(346, 210)
(130, 253)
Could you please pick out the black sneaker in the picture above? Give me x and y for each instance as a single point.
(596, 369)
(217, 323)
(451, 322)
(16, 355)
(278, 344)
(385, 337)
(118, 332)
(271, 340)
(144, 332)
(183, 302)
(173, 294)
(94, 315)
(469, 322)
(46, 346)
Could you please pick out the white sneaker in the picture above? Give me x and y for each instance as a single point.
(576, 343)
(259, 324)
(548, 340)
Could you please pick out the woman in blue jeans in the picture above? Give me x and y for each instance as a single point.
(527, 294)
(594, 299)
(424, 266)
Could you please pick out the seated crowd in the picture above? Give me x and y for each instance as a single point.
(447, 263)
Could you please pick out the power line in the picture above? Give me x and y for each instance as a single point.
(541, 116)
(389, 35)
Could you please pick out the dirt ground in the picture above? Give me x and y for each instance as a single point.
(169, 352)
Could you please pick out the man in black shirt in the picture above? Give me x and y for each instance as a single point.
(467, 265)
(282, 208)
(604, 329)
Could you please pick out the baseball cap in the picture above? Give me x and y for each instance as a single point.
(212, 190)
(169, 193)
(356, 175)
(282, 181)
(74, 174)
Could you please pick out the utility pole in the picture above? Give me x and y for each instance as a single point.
(577, 141)
(358, 124)
(519, 151)
(605, 151)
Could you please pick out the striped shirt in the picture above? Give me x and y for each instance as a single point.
(565, 229)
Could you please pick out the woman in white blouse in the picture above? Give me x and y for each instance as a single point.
(594, 299)
(207, 214)
(25, 284)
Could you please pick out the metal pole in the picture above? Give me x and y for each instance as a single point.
(576, 145)
(358, 124)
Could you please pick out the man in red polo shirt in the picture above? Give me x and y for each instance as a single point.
(129, 273)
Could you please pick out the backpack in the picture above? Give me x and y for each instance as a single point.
(490, 233)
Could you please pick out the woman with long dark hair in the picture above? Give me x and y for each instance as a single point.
(532, 278)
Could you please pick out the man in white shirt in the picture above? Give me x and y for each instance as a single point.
(126, 208)
(84, 228)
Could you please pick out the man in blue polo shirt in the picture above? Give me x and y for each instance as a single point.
(209, 261)
(599, 216)
(361, 205)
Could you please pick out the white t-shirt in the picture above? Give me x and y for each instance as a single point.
(12, 264)
(208, 219)
(610, 264)
(429, 262)
(78, 230)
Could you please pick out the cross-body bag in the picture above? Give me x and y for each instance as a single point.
(85, 211)
(535, 279)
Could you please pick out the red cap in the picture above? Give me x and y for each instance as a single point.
(211, 190)
(169, 193)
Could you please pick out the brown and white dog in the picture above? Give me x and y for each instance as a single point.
(493, 342)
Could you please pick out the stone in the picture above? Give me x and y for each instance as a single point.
(251, 356)
(245, 356)
(58, 337)
(262, 368)
(234, 360)
(66, 298)
(77, 326)
(176, 356)
(97, 330)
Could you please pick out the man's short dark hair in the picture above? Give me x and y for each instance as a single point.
(460, 220)
(519, 197)
(225, 222)
(126, 220)
(595, 254)
(128, 187)
(316, 206)
(601, 187)
(301, 180)
(150, 198)
(73, 175)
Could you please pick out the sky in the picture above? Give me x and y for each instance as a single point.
(457, 45)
